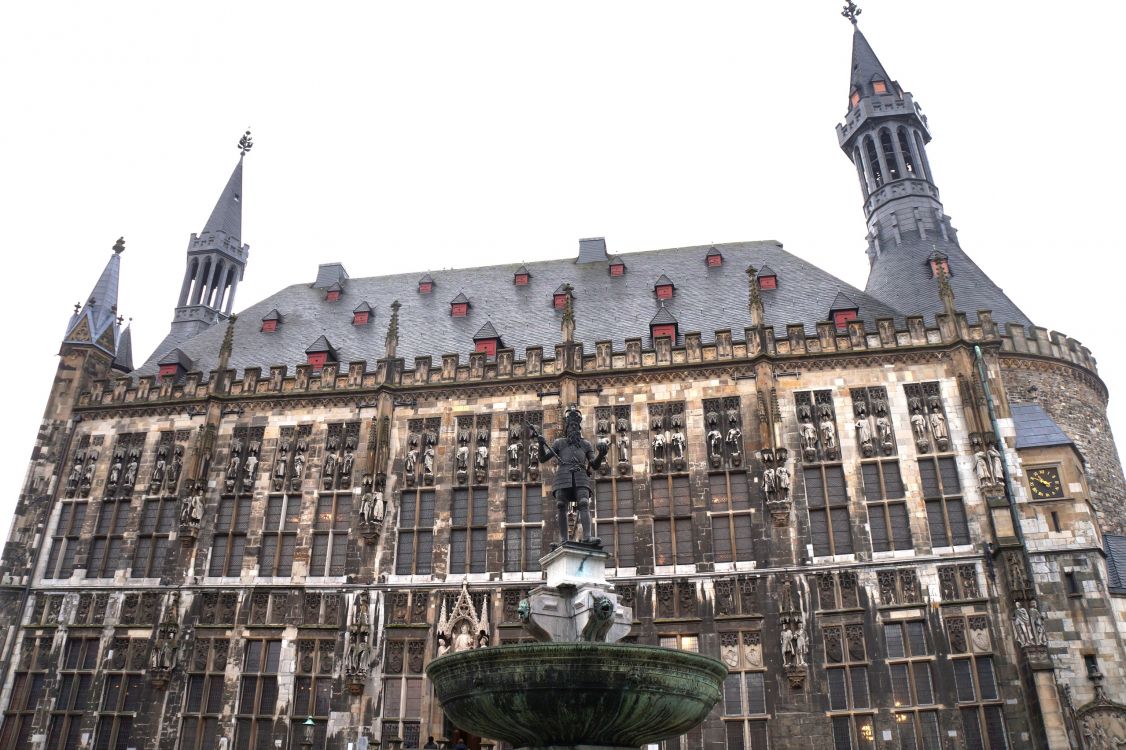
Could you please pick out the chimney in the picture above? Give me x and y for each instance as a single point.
(592, 250)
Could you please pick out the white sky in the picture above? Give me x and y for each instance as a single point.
(413, 136)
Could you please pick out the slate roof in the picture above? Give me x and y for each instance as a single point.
(663, 318)
(177, 357)
(123, 360)
(842, 302)
(320, 345)
(607, 308)
(329, 274)
(1115, 562)
(487, 331)
(362, 307)
(1035, 429)
(902, 274)
(460, 299)
(272, 315)
(592, 250)
(765, 271)
(866, 67)
(227, 214)
(663, 281)
(100, 309)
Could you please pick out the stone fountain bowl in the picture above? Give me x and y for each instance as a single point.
(594, 695)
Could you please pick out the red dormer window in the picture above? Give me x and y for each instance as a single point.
(488, 346)
(360, 318)
(317, 359)
(333, 295)
(767, 282)
(459, 309)
(664, 291)
(855, 98)
(521, 279)
(665, 330)
(269, 326)
(425, 287)
(841, 318)
(715, 260)
(169, 371)
(560, 301)
(617, 269)
(879, 87)
(938, 264)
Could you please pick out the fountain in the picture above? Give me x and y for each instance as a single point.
(576, 688)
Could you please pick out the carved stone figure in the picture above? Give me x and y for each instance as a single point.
(75, 473)
(981, 468)
(735, 445)
(576, 458)
(191, 507)
(329, 470)
(1022, 625)
(514, 455)
(159, 470)
(115, 469)
(1036, 624)
(131, 470)
(443, 644)
(768, 480)
(233, 466)
(715, 447)
(280, 466)
(996, 465)
(346, 465)
(659, 447)
(428, 464)
(864, 435)
(482, 460)
(461, 463)
(298, 468)
(250, 468)
(410, 463)
(800, 647)
(782, 480)
(828, 434)
(919, 426)
(677, 442)
(808, 436)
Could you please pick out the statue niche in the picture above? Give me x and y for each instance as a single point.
(464, 627)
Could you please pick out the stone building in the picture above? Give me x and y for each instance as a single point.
(896, 514)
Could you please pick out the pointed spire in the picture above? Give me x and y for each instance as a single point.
(568, 324)
(391, 343)
(754, 301)
(95, 322)
(866, 67)
(123, 359)
(228, 344)
(227, 215)
(939, 263)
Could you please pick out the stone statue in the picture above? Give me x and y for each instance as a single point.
(1022, 625)
(735, 445)
(298, 467)
(800, 647)
(329, 468)
(428, 460)
(576, 457)
(981, 468)
(864, 432)
(1036, 624)
(659, 446)
(828, 434)
(443, 644)
(346, 464)
(808, 436)
(463, 640)
(997, 467)
(131, 470)
(677, 442)
(191, 507)
(115, 468)
(715, 446)
(514, 455)
(280, 467)
(251, 466)
(883, 428)
(482, 461)
(461, 458)
(159, 469)
(919, 425)
(782, 480)
(176, 468)
(768, 480)
(788, 653)
(233, 465)
(75, 472)
(410, 462)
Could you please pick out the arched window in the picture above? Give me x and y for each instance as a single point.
(873, 161)
(860, 171)
(888, 147)
(924, 165)
(905, 149)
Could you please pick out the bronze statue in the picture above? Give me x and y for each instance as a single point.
(576, 457)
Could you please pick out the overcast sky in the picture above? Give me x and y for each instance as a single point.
(416, 136)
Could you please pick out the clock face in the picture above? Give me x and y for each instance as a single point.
(1045, 484)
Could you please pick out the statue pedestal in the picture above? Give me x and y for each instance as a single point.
(576, 603)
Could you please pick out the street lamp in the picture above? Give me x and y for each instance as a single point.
(307, 742)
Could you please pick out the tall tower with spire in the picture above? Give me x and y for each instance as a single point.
(216, 262)
(885, 135)
(95, 323)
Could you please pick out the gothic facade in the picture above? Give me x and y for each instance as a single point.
(896, 514)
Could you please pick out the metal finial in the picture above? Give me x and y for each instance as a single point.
(245, 143)
(851, 12)
(119, 246)
(77, 307)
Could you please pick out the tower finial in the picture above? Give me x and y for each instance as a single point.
(391, 343)
(246, 142)
(119, 246)
(227, 346)
(851, 12)
(568, 324)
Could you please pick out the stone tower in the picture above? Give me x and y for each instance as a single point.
(885, 134)
(216, 262)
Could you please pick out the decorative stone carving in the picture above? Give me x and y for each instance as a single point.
(729, 649)
(191, 512)
(576, 603)
(622, 438)
(1028, 624)
(357, 652)
(776, 484)
(372, 508)
(576, 458)
(166, 648)
(794, 636)
(752, 649)
(464, 626)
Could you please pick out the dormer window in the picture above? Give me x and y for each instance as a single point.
(842, 311)
(617, 266)
(766, 278)
(459, 306)
(270, 321)
(361, 316)
(425, 284)
(559, 297)
(173, 364)
(939, 263)
(169, 371)
(486, 340)
(663, 288)
(663, 324)
(854, 98)
(521, 276)
(880, 87)
(332, 294)
(320, 353)
(714, 258)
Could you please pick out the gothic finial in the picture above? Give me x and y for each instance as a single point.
(391, 344)
(119, 246)
(754, 301)
(942, 273)
(245, 143)
(228, 343)
(568, 314)
(77, 307)
(851, 12)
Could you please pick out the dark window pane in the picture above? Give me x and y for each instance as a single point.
(842, 538)
(929, 476)
(842, 733)
(924, 692)
(995, 728)
(917, 636)
(893, 635)
(877, 522)
(900, 526)
(972, 729)
(900, 685)
(859, 687)
(835, 485)
(986, 681)
(963, 680)
(814, 487)
(721, 539)
(732, 699)
(937, 524)
(819, 532)
(756, 693)
(744, 547)
(959, 529)
(893, 482)
(870, 474)
(838, 692)
(948, 470)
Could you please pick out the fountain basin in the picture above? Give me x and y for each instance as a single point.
(591, 695)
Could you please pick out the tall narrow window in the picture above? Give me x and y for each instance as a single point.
(64, 543)
(312, 691)
(330, 534)
(415, 552)
(76, 691)
(729, 488)
(159, 517)
(888, 148)
(468, 529)
(258, 694)
(523, 528)
(905, 149)
(912, 684)
(744, 690)
(28, 687)
(228, 548)
(121, 700)
(279, 535)
(402, 691)
(846, 667)
(672, 520)
(975, 683)
(616, 516)
(946, 514)
(106, 548)
(829, 524)
(873, 161)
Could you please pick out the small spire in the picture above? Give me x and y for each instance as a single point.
(851, 12)
(119, 246)
(945, 291)
(391, 344)
(754, 302)
(246, 142)
(228, 344)
(568, 324)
